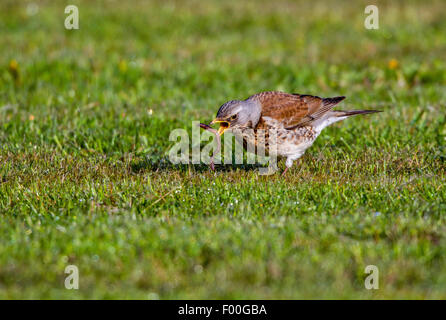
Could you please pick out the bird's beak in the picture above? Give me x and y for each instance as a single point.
(223, 125)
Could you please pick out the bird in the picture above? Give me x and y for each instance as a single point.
(296, 119)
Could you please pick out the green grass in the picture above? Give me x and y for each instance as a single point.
(85, 117)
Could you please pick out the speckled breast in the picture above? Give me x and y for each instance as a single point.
(282, 142)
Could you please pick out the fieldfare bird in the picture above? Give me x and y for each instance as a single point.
(296, 119)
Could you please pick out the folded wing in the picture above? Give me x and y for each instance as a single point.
(293, 110)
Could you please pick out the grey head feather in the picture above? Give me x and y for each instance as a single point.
(248, 113)
(227, 108)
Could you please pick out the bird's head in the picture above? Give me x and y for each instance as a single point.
(237, 114)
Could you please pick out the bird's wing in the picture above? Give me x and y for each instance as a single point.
(293, 110)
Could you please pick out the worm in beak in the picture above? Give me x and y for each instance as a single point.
(217, 136)
(223, 125)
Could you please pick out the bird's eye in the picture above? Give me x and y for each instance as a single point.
(234, 117)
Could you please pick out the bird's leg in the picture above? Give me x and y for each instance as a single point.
(284, 171)
(288, 164)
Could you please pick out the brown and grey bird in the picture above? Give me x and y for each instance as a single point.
(296, 119)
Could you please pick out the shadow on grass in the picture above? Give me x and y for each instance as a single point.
(163, 164)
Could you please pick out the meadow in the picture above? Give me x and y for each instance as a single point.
(85, 179)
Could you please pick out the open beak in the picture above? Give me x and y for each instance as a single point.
(223, 125)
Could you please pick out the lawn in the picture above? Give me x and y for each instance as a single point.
(85, 179)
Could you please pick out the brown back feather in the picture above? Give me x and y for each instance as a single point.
(293, 110)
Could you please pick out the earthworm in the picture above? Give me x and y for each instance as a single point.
(217, 136)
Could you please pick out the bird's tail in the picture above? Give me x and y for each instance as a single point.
(337, 115)
(342, 113)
